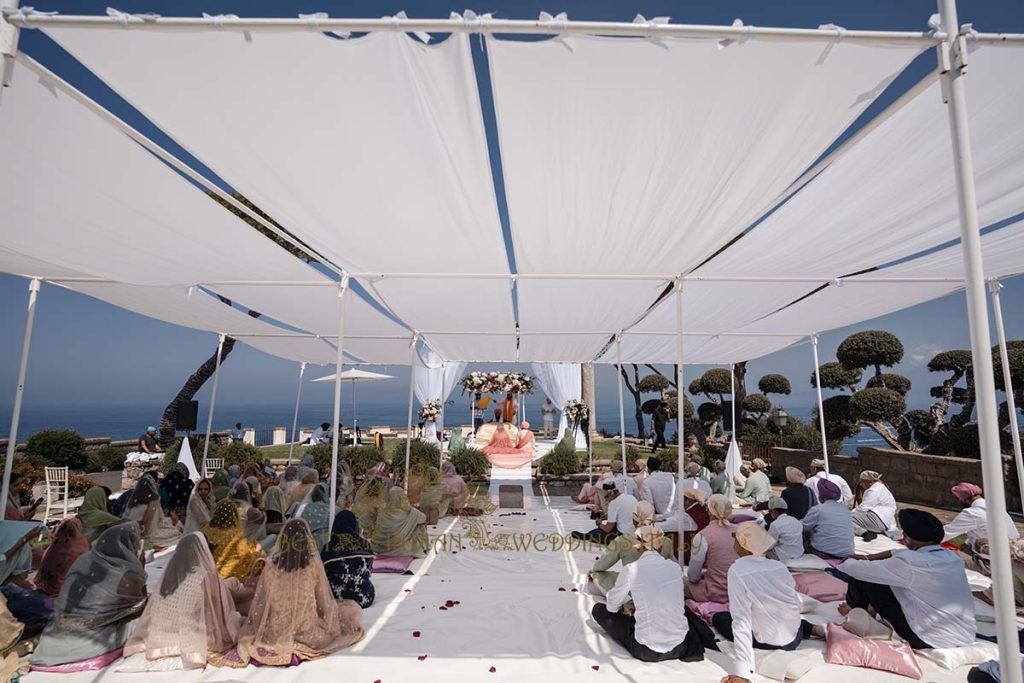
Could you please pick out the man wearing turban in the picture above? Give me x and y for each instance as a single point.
(829, 526)
(875, 512)
(816, 472)
(972, 524)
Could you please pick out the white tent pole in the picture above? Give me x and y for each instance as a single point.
(295, 417)
(408, 422)
(1011, 404)
(355, 423)
(953, 62)
(590, 437)
(821, 405)
(338, 363)
(680, 419)
(444, 399)
(213, 402)
(622, 408)
(12, 439)
(732, 394)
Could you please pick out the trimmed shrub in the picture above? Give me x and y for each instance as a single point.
(359, 458)
(712, 453)
(239, 453)
(898, 383)
(471, 462)
(835, 376)
(878, 404)
(105, 459)
(870, 348)
(757, 403)
(419, 452)
(56, 448)
(562, 459)
(774, 384)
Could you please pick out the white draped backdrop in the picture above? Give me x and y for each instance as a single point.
(561, 382)
(435, 379)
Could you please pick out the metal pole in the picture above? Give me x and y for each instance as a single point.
(213, 402)
(1011, 404)
(732, 394)
(12, 439)
(821, 406)
(953, 62)
(408, 423)
(590, 442)
(295, 418)
(440, 427)
(680, 419)
(338, 362)
(622, 409)
(355, 423)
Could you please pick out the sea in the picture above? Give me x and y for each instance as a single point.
(128, 421)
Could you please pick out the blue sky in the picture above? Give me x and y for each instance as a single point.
(86, 352)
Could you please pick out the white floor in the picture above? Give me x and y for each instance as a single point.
(517, 612)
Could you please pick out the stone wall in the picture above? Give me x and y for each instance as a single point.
(912, 477)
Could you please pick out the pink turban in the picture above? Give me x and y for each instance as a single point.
(795, 476)
(964, 491)
(827, 490)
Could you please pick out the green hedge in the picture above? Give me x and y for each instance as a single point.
(359, 458)
(471, 462)
(562, 459)
(56, 448)
(105, 459)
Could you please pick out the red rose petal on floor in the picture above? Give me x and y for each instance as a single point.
(457, 602)
(492, 669)
(561, 589)
(575, 590)
(442, 607)
(596, 667)
(415, 634)
(421, 657)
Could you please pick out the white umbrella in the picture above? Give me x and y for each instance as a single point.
(355, 376)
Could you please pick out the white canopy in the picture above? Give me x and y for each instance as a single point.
(355, 375)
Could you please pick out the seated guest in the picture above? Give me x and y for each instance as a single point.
(981, 551)
(875, 512)
(13, 512)
(294, 616)
(694, 480)
(255, 490)
(696, 519)
(275, 508)
(67, 545)
(104, 591)
(233, 553)
(787, 532)
(757, 488)
(764, 609)
(11, 631)
(425, 491)
(828, 526)
(400, 529)
(254, 522)
(16, 561)
(370, 497)
(640, 478)
(177, 486)
(317, 513)
(971, 521)
(817, 472)
(987, 672)
(200, 506)
(526, 441)
(704, 472)
(622, 482)
(380, 471)
(321, 434)
(656, 629)
(712, 554)
(619, 519)
(289, 479)
(503, 453)
(348, 561)
(660, 490)
(798, 497)
(921, 591)
(234, 474)
(721, 482)
(623, 549)
(94, 515)
(191, 619)
(144, 509)
(221, 484)
(346, 493)
(455, 492)
(308, 478)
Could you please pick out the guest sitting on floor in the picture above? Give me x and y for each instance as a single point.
(787, 532)
(971, 523)
(711, 555)
(526, 441)
(177, 487)
(694, 480)
(69, 543)
(987, 672)
(757, 489)
(455, 492)
(922, 591)
(348, 561)
(221, 484)
(16, 561)
(619, 519)
(105, 590)
(318, 514)
(798, 497)
(660, 490)
(875, 511)
(640, 479)
(828, 526)
(275, 507)
(623, 482)
(200, 506)
(400, 529)
(370, 497)
(623, 549)
(656, 629)
(144, 509)
(254, 522)
(233, 553)
(764, 609)
(94, 515)
(817, 472)
(191, 620)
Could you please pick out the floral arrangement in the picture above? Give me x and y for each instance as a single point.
(576, 413)
(497, 382)
(430, 410)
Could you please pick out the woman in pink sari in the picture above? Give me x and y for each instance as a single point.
(502, 453)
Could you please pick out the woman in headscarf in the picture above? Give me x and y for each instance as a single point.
(290, 479)
(178, 487)
(623, 550)
(308, 478)
(640, 477)
(191, 618)
(234, 472)
(105, 590)
(694, 505)
(425, 491)
(381, 471)
(94, 515)
(369, 499)
(233, 553)
(308, 461)
(401, 529)
(254, 522)
(221, 485)
(454, 489)
(144, 509)
(317, 513)
(294, 616)
(255, 490)
(711, 555)
(348, 561)
(68, 543)
(346, 484)
(275, 507)
(200, 506)
(798, 497)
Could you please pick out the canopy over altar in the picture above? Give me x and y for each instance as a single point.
(753, 234)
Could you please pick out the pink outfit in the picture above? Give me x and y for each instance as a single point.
(502, 453)
(713, 585)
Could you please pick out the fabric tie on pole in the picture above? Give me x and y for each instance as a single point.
(651, 23)
(401, 16)
(747, 32)
(560, 22)
(124, 17)
(23, 13)
(840, 33)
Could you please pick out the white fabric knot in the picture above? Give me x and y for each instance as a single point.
(121, 17)
(560, 23)
(23, 13)
(652, 35)
(314, 18)
(935, 22)
(747, 32)
(218, 19)
(401, 16)
(840, 31)
(837, 282)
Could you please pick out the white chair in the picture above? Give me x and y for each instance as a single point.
(212, 465)
(56, 485)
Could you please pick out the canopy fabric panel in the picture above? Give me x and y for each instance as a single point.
(561, 348)
(562, 382)
(470, 348)
(606, 306)
(629, 156)
(298, 349)
(388, 170)
(698, 349)
(450, 304)
(893, 194)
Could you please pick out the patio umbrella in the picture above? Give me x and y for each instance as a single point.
(355, 376)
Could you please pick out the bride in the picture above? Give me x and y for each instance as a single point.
(501, 447)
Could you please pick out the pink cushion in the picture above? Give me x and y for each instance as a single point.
(846, 649)
(820, 586)
(706, 610)
(91, 664)
(391, 564)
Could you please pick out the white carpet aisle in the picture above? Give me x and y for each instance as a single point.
(508, 610)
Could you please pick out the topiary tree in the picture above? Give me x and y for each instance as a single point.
(834, 376)
(839, 420)
(56, 448)
(758, 404)
(241, 454)
(471, 462)
(775, 384)
(713, 384)
(873, 348)
(653, 384)
(890, 380)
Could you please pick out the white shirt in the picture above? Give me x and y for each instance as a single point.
(844, 488)
(878, 499)
(788, 533)
(697, 483)
(548, 411)
(625, 485)
(764, 605)
(620, 511)
(656, 585)
(972, 521)
(317, 436)
(931, 587)
(660, 491)
(831, 528)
